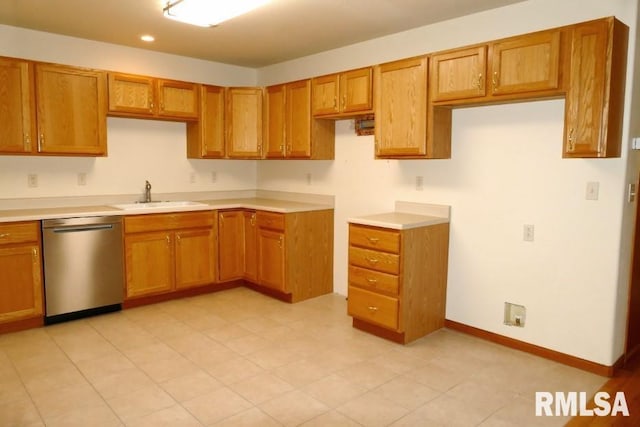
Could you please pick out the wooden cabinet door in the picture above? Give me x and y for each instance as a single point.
(195, 258)
(131, 94)
(275, 115)
(526, 63)
(271, 259)
(177, 99)
(17, 107)
(459, 74)
(20, 283)
(595, 96)
(325, 91)
(244, 122)
(205, 138)
(71, 110)
(230, 245)
(401, 108)
(149, 263)
(298, 120)
(355, 91)
(250, 247)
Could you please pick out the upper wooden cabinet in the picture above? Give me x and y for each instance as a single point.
(51, 109)
(205, 138)
(71, 110)
(343, 94)
(521, 65)
(148, 97)
(458, 74)
(243, 122)
(18, 119)
(401, 108)
(291, 132)
(595, 95)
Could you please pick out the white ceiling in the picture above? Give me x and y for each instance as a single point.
(279, 31)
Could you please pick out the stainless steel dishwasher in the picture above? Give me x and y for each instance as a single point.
(83, 266)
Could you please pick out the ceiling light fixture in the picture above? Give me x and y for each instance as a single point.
(208, 13)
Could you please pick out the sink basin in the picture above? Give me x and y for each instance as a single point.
(157, 205)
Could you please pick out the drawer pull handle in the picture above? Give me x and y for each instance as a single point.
(372, 261)
(3, 235)
(373, 240)
(372, 308)
(372, 280)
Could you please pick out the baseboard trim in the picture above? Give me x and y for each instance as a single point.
(556, 356)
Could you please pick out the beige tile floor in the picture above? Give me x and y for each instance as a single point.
(238, 358)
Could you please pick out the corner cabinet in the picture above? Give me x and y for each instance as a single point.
(398, 280)
(231, 245)
(243, 122)
(168, 252)
(595, 94)
(291, 132)
(21, 289)
(205, 138)
(148, 97)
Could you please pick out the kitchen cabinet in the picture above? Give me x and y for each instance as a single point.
(250, 246)
(295, 254)
(205, 138)
(231, 245)
(271, 251)
(527, 64)
(168, 252)
(397, 280)
(343, 94)
(18, 118)
(401, 108)
(21, 291)
(291, 131)
(594, 105)
(243, 123)
(458, 74)
(148, 97)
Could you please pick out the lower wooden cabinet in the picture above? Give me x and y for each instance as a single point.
(250, 246)
(398, 280)
(230, 245)
(169, 252)
(271, 251)
(21, 291)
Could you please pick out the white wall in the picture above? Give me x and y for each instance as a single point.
(506, 170)
(138, 149)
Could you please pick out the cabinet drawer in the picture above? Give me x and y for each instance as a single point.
(163, 222)
(374, 238)
(373, 280)
(19, 232)
(373, 308)
(374, 260)
(271, 220)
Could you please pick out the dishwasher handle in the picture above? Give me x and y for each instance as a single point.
(78, 228)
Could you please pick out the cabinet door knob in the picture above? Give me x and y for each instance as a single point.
(27, 142)
(572, 144)
(479, 82)
(496, 80)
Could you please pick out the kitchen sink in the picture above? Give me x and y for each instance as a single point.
(157, 205)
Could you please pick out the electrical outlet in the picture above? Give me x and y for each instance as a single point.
(419, 183)
(528, 232)
(308, 178)
(214, 177)
(32, 180)
(82, 178)
(192, 178)
(514, 314)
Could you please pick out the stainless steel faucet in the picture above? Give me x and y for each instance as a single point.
(147, 192)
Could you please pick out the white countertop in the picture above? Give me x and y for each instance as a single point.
(406, 215)
(258, 203)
